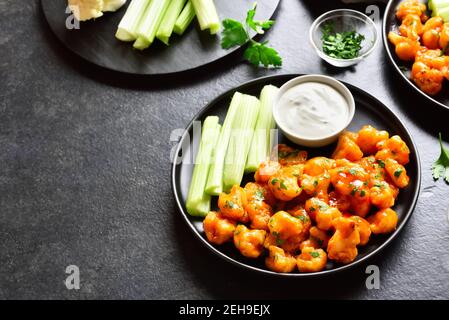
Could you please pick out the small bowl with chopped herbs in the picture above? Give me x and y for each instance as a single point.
(343, 37)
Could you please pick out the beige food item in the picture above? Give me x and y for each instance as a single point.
(91, 9)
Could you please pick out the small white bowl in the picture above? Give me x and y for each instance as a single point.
(321, 141)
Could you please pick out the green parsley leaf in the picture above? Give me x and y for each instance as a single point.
(381, 163)
(274, 181)
(258, 53)
(257, 25)
(234, 34)
(397, 173)
(315, 254)
(441, 166)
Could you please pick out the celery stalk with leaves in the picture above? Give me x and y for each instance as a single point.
(127, 27)
(207, 15)
(441, 167)
(240, 141)
(261, 143)
(184, 19)
(198, 201)
(214, 184)
(150, 23)
(168, 22)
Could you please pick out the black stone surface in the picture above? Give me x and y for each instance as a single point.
(84, 174)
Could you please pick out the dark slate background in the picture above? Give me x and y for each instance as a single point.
(84, 174)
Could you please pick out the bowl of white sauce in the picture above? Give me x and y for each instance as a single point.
(313, 110)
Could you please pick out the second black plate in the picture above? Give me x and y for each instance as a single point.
(95, 40)
(403, 68)
(368, 111)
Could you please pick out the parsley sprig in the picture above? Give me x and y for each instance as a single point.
(258, 53)
(441, 167)
(341, 45)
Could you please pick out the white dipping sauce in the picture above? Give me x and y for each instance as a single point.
(313, 110)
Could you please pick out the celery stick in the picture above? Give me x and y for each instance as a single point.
(207, 15)
(168, 22)
(152, 19)
(438, 4)
(260, 145)
(240, 142)
(443, 13)
(141, 44)
(184, 19)
(198, 202)
(127, 27)
(214, 184)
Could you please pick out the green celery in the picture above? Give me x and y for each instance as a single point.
(207, 15)
(438, 4)
(214, 185)
(151, 20)
(168, 22)
(127, 27)
(198, 201)
(141, 44)
(261, 144)
(240, 142)
(184, 19)
(443, 13)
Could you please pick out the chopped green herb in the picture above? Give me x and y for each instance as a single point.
(303, 218)
(353, 172)
(381, 163)
(341, 45)
(362, 193)
(282, 185)
(277, 235)
(315, 254)
(397, 173)
(258, 195)
(315, 183)
(230, 204)
(274, 181)
(279, 242)
(354, 191)
(323, 206)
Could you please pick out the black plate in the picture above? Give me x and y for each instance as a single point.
(390, 23)
(369, 110)
(95, 40)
